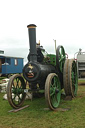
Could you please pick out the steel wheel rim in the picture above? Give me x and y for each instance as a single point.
(65, 78)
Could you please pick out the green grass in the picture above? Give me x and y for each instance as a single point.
(35, 116)
(81, 82)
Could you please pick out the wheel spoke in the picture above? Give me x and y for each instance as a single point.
(52, 91)
(55, 81)
(53, 100)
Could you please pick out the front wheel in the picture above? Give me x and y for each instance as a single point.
(52, 91)
(15, 91)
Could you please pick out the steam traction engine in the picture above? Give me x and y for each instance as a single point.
(43, 71)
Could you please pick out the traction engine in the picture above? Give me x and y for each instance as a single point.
(48, 72)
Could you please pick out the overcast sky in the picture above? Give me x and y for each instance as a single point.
(62, 20)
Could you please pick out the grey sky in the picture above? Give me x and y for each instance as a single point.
(62, 20)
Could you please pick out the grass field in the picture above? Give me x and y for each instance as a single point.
(37, 116)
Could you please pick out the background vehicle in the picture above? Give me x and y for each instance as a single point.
(10, 65)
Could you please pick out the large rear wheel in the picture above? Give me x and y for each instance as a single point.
(70, 78)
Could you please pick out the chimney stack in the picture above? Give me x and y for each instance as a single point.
(32, 42)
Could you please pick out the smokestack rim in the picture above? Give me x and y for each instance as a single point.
(31, 26)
